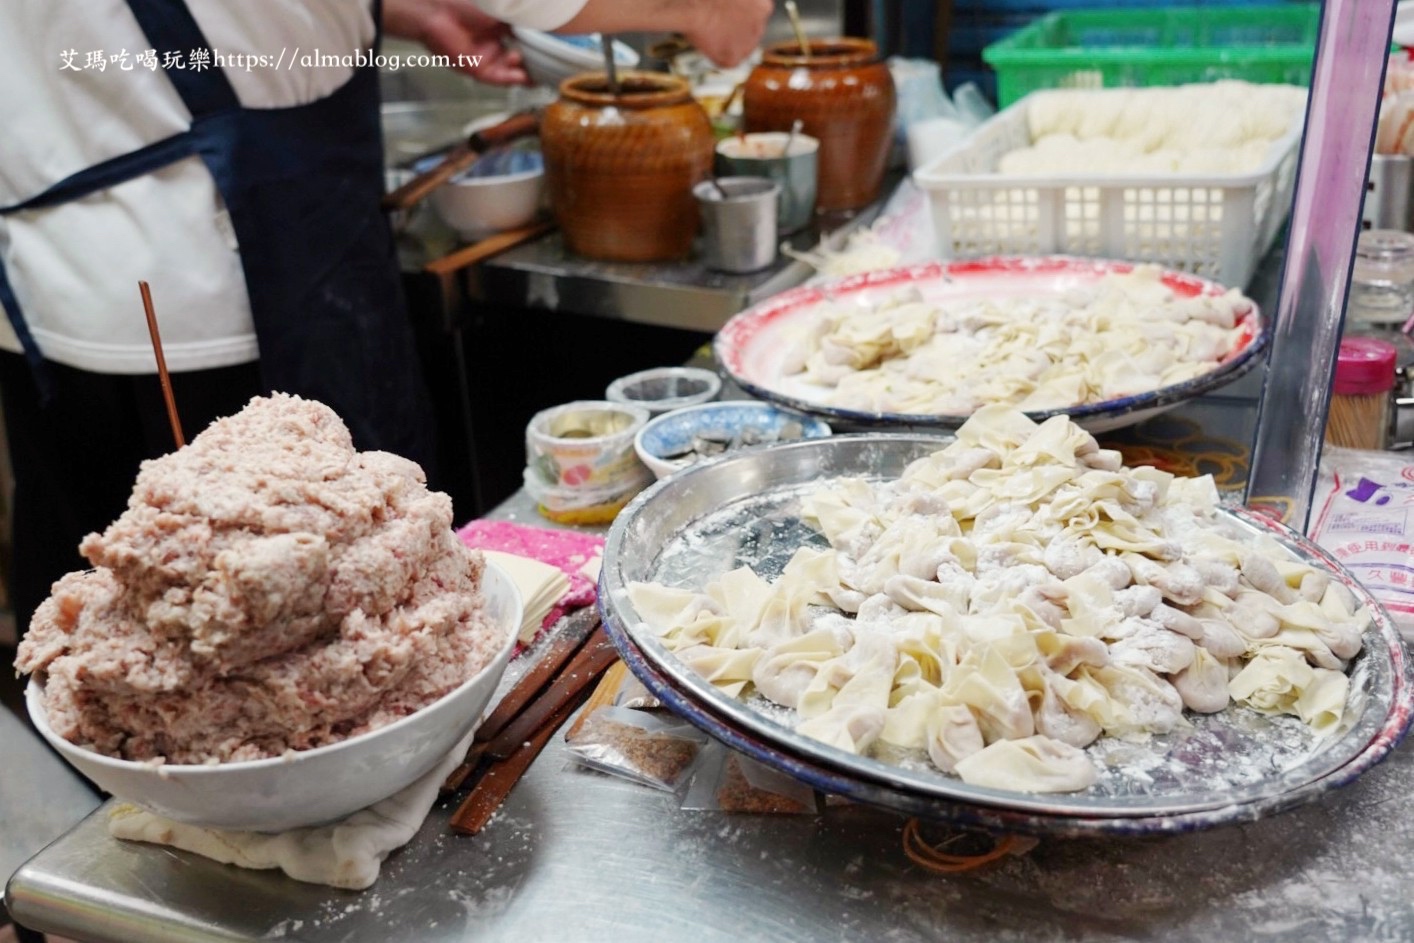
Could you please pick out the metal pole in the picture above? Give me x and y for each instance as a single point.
(1351, 53)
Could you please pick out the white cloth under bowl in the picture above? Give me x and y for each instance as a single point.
(346, 854)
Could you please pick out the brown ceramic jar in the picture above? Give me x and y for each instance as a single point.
(620, 168)
(844, 95)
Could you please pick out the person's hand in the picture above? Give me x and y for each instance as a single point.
(459, 30)
(727, 31)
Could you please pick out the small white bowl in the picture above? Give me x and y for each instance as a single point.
(310, 787)
(550, 59)
(665, 436)
(477, 207)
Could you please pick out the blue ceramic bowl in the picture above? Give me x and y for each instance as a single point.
(679, 438)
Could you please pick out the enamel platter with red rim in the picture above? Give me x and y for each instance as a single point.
(756, 346)
(744, 509)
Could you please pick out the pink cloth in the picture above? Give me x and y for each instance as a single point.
(569, 550)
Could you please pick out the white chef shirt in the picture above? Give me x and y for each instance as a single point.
(74, 268)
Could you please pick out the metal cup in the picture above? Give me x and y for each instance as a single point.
(1387, 191)
(763, 154)
(739, 232)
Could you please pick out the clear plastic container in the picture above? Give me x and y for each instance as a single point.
(663, 389)
(587, 506)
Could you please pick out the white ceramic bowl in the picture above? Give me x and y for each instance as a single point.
(477, 207)
(671, 433)
(310, 787)
(551, 59)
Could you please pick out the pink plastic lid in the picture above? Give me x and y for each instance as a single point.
(1364, 366)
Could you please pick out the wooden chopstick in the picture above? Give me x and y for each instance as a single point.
(604, 695)
(163, 376)
(589, 663)
(566, 641)
(503, 772)
(485, 248)
(460, 157)
(502, 775)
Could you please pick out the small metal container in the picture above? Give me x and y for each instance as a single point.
(738, 232)
(1387, 193)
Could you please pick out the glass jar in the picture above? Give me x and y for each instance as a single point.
(620, 168)
(843, 94)
(1382, 283)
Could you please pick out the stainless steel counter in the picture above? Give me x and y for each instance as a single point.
(685, 295)
(41, 797)
(576, 856)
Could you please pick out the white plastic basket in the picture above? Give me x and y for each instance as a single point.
(1215, 226)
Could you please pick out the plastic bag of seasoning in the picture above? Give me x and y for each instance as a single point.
(633, 694)
(652, 749)
(728, 781)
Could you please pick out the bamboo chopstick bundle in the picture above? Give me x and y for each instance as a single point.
(1360, 405)
(1358, 422)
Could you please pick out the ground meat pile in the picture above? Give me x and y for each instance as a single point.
(268, 589)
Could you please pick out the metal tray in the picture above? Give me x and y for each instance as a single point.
(752, 346)
(743, 510)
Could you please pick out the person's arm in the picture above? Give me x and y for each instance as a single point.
(725, 31)
(459, 29)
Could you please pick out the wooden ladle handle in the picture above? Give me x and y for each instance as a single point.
(461, 157)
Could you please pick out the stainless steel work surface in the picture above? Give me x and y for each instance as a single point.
(576, 856)
(685, 295)
(41, 797)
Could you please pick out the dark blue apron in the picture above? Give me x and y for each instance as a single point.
(302, 186)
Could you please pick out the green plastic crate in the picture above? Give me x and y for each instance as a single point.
(1157, 46)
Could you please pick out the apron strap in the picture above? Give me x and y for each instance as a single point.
(110, 173)
(207, 93)
(33, 357)
(170, 27)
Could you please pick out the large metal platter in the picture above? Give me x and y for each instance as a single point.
(743, 509)
(752, 347)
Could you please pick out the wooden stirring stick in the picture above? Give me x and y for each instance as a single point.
(509, 755)
(577, 628)
(161, 365)
(611, 68)
(794, 13)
